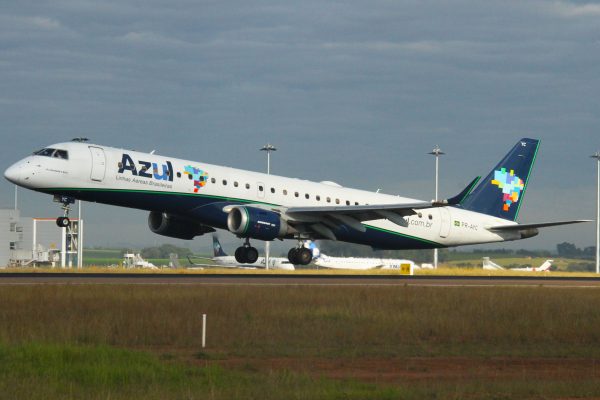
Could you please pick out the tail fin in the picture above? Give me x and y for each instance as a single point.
(490, 265)
(217, 249)
(501, 193)
(309, 244)
(545, 266)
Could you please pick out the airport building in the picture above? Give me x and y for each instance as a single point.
(27, 241)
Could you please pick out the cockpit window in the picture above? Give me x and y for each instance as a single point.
(55, 153)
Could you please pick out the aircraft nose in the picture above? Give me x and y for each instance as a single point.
(13, 173)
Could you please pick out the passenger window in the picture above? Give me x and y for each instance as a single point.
(224, 182)
(329, 199)
(356, 203)
(247, 186)
(260, 188)
(190, 177)
(318, 198)
(235, 184)
(285, 192)
(337, 201)
(272, 190)
(213, 180)
(296, 194)
(307, 196)
(347, 202)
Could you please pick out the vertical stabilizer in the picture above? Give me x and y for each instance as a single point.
(217, 249)
(501, 192)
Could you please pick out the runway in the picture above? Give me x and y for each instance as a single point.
(293, 280)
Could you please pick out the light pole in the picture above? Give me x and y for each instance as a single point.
(79, 237)
(268, 148)
(437, 152)
(597, 157)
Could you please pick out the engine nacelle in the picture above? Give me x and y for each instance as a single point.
(256, 223)
(176, 227)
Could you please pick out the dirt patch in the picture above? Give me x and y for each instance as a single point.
(416, 369)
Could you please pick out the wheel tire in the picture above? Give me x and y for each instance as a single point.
(251, 255)
(293, 256)
(304, 256)
(240, 255)
(62, 222)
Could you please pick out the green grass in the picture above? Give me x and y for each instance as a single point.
(42, 371)
(303, 321)
(130, 341)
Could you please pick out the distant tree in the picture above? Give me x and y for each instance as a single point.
(589, 252)
(164, 250)
(567, 250)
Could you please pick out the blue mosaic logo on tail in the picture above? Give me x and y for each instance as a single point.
(501, 193)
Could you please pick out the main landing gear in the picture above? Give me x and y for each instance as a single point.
(246, 254)
(66, 201)
(300, 255)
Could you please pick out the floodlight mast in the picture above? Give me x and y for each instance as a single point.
(437, 152)
(268, 148)
(597, 157)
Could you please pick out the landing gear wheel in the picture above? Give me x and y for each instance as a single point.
(251, 255)
(304, 256)
(240, 255)
(293, 256)
(63, 222)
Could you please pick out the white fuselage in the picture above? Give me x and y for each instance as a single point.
(274, 263)
(158, 183)
(359, 263)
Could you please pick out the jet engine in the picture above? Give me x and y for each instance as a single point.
(256, 223)
(174, 226)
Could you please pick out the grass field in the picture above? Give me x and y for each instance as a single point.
(102, 341)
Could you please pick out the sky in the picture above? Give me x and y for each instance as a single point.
(350, 91)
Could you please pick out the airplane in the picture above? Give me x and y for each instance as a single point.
(322, 260)
(490, 265)
(186, 199)
(221, 259)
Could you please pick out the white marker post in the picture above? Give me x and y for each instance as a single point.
(203, 330)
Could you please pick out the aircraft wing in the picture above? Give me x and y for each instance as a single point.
(520, 227)
(360, 213)
(322, 219)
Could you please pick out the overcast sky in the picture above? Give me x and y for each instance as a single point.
(356, 92)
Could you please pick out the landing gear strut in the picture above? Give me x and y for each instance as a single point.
(246, 254)
(300, 255)
(66, 201)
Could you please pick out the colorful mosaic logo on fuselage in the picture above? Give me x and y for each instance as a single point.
(200, 177)
(512, 186)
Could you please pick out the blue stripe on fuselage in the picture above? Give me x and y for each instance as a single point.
(209, 210)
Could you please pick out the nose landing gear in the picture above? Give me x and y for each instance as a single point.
(66, 201)
(246, 254)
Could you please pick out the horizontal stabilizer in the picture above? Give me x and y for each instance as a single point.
(519, 227)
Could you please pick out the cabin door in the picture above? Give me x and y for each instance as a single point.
(98, 164)
(444, 222)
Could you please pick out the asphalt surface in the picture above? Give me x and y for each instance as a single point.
(10, 278)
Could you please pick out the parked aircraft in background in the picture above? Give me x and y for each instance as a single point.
(544, 267)
(490, 265)
(187, 199)
(221, 259)
(322, 260)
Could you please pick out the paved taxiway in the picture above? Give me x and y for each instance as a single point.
(282, 280)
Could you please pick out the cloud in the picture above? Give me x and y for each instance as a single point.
(152, 39)
(385, 46)
(571, 10)
(44, 22)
